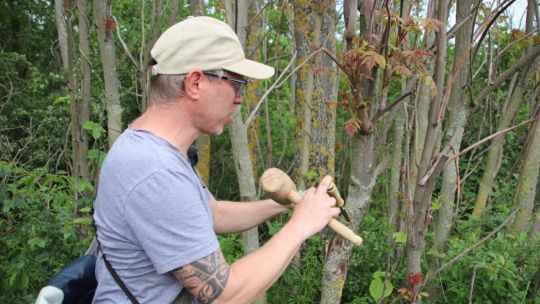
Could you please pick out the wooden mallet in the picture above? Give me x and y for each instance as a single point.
(281, 188)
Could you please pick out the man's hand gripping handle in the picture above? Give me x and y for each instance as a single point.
(281, 188)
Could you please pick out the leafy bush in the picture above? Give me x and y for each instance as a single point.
(38, 233)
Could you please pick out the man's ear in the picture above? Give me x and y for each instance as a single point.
(191, 84)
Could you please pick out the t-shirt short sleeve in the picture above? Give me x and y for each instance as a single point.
(170, 217)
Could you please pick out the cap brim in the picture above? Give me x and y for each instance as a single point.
(251, 69)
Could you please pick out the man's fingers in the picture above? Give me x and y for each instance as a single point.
(325, 183)
(335, 211)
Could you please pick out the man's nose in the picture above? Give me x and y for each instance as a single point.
(238, 100)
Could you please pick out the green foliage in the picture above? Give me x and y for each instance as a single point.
(96, 130)
(35, 221)
(505, 267)
(400, 237)
(379, 288)
(301, 283)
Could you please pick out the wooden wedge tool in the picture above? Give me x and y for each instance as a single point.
(281, 188)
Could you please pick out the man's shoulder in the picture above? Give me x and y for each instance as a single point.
(139, 150)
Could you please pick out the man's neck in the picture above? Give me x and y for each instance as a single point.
(168, 123)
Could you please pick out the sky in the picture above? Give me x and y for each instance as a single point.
(516, 12)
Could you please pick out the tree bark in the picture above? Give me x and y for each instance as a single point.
(417, 225)
(303, 32)
(323, 122)
(358, 202)
(394, 185)
(238, 20)
(253, 90)
(64, 28)
(198, 8)
(458, 111)
(86, 93)
(528, 180)
(495, 153)
(105, 26)
(175, 5)
(421, 112)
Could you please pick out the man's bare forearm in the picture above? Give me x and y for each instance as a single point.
(232, 217)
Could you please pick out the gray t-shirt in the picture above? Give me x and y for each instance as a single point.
(153, 215)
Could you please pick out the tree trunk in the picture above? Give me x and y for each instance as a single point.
(495, 153)
(397, 157)
(86, 93)
(458, 111)
(253, 90)
(244, 169)
(358, 202)
(64, 28)
(323, 132)
(421, 112)
(528, 180)
(417, 225)
(105, 26)
(509, 111)
(198, 8)
(303, 32)
(175, 5)
(393, 187)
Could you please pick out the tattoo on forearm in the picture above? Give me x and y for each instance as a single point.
(205, 278)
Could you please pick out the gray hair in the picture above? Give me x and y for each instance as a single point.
(166, 88)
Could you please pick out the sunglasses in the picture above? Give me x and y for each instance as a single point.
(238, 83)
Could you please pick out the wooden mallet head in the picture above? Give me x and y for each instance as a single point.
(278, 185)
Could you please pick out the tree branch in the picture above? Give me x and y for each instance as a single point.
(395, 103)
(522, 62)
(491, 137)
(478, 244)
(276, 84)
(124, 46)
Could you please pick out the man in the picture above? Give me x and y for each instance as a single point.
(155, 219)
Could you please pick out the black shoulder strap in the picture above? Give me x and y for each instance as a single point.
(111, 269)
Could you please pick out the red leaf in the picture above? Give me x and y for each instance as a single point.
(402, 70)
(415, 278)
(403, 291)
(351, 126)
(320, 70)
(430, 24)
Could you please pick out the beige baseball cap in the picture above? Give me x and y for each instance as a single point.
(203, 43)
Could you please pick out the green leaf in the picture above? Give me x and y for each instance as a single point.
(376, 289)
(96, 130)
(310, 175)
(379, 274)
(85, 209)
(61, 100)
(86, 221)
(435, 206)
(83, 186)
(96, 156)
(400, 237)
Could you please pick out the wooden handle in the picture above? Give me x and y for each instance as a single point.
(338, 227)
(333, 192)
(281, 188)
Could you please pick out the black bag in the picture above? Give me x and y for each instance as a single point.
(77, 280)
